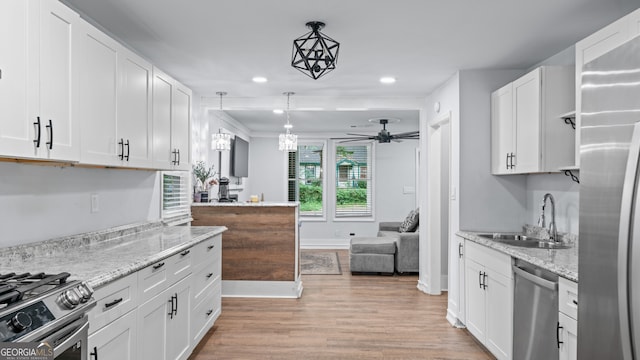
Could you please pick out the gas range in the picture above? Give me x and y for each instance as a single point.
(35, 306)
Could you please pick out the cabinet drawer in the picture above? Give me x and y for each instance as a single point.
(113, 300)
(207, 251)
(202, 278)
(154, 279)
(206, 312)
(489, 258)
(180, 265)
(568, 297)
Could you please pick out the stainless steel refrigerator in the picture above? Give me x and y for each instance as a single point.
(609, 238)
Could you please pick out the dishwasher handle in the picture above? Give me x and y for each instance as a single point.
(551, 285)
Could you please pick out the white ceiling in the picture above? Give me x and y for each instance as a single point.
(220, 45)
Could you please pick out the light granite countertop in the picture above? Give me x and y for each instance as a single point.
(258, 204)
(104, 256)
(563, 262)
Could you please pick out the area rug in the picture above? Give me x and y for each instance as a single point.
(320, 263)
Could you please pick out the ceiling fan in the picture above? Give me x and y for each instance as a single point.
(384, 136)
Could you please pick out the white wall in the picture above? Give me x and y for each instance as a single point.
(268, 169)
(44, 202)
(487, 202)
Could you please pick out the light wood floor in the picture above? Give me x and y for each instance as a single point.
(340, 317)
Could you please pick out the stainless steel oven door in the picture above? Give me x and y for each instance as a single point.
(70, 342)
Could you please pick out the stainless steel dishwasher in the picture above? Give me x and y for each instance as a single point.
(535, 313)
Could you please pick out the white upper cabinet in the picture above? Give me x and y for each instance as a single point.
(171, 123)
(115, 103)
(69, 92)
(527, 134)
(180, 126)
(596, 45)
(38, 52)
(134, 121)
(162, 94)
(502, 130)
(98, 97)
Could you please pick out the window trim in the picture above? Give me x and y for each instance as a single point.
(325, 204)
(370, 167)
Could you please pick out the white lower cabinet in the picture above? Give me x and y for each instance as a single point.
(567, 319)
(116, 341)
(159, 312)
(163, 324)
(489, 298)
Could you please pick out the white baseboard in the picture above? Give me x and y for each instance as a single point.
(422, 286)
(324, 243)
(453, 320)
(262, 289)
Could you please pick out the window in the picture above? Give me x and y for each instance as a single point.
(175, 195)
(305, 179)
(354, 188)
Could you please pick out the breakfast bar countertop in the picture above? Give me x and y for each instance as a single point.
(260, 203)
(563, 262)
(105, 256)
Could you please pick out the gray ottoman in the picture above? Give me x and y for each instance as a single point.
(372, 254)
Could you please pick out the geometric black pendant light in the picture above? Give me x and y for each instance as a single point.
(314, 53)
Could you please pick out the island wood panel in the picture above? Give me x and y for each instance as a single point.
(259, 244)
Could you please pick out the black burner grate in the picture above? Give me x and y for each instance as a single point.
(14, 287)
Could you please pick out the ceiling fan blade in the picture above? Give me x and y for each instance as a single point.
(406, 134)
(358, 134)
(347, 138)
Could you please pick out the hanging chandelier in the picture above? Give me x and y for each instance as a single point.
(314, 53)
(288, 141)
(219, 140)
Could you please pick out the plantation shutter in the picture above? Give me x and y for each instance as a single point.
(354, 186)
(292, 176)
(175, 194)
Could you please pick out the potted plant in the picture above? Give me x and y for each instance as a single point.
(202, 174)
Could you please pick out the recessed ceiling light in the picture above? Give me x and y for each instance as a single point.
(259, 79)
(387, 79)
(278, 111)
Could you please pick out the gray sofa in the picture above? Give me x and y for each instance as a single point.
(407, 246)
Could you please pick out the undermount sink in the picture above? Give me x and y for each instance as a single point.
(525, 241)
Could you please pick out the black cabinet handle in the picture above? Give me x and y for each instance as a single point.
(512, 156)
(158, 266)
(175, 157)
(558, 327)
(113, 303)
(209, 313)
(575, 302)
(173, 305)
(94, 353)
(184, 253)
(121, 143)
(209, 275)
(175, 312)
(507, 161)
(128, 148)
(178, 156)
(50, 127)
(480, 279)
(38, 132)
(484, 280)
(210, 247)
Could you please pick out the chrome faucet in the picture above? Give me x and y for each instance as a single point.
(553, 230)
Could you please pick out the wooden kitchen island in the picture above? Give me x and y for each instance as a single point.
(261, 248)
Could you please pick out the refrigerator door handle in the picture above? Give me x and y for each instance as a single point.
(629, 221)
